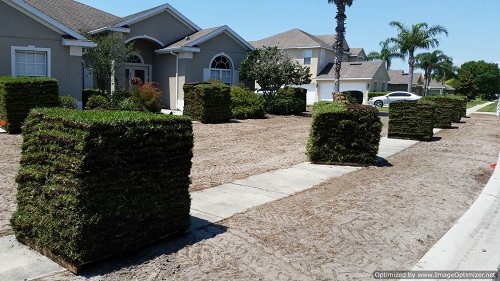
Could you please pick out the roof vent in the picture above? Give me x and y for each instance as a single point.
(356, 63)
(187, 38)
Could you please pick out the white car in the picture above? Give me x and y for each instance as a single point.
(392, 97)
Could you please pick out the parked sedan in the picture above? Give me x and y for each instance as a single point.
(392, 97)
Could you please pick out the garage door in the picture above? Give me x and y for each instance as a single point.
(325, 91)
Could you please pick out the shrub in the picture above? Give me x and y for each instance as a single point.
(376, 94)
(97, 102)
(344, 134)
(208, 102)
(118, 96)
(412, 120)
(465, 100)
(127, 104)
(247, 104)
(91, 184)
(68, 102)
(288, 101)
(354, 96)
(87, 93)
(148, 96)
(18, 95)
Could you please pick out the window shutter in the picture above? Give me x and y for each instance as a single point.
(236, 78)
(206, 74)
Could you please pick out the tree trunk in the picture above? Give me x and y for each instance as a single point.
(339, 47)
(411, 62)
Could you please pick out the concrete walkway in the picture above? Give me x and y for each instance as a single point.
(18, 262)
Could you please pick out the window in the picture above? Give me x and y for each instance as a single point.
(308, 56)
(30, 61)
(322, 57)
(383, 86)
(220, 69)
(375, 86)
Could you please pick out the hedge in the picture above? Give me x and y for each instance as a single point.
(376, 94)
(247, 104)
(87, 93)
(208, 102)
(412, 120)
(465, 100)
(18, 95)
(344, 134)
(96, 183)
(448, 109)
(288, 101)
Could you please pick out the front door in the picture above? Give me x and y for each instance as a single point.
(141, 72)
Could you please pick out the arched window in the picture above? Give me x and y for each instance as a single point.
(135, 59)
(220, 69)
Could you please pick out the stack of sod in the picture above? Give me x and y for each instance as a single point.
(344, 134)
(412, 120)
(208, 102)
(18, 95)
(465, 99)
(96, 183)
(448, 109)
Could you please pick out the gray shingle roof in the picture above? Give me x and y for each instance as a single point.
(399, 77)
(355, 51)
(296, 38)
(195, 36)
(365, 69)
(434, 84)
(75, 15)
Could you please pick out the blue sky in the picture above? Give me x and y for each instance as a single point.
(473, 25)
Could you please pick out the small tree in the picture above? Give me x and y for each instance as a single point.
(271, 68)
(109, 55)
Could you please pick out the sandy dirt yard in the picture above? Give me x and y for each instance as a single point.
(378, 218)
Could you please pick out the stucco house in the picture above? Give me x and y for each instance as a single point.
(45, 38)
(315, 51)
(362, 76)
(399, 82)
(436, 87)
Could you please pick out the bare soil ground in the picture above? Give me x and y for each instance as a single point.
(378, 218)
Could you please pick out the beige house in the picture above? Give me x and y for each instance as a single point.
(315, 51)
(436, 87)
(44, 38)
(399, 82)
(365, 77)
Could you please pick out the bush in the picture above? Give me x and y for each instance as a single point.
(118, 96)
(208, 102)
(412, 120)
(344, 134)
(97, 102)
(127, 104)
(148, 96)
(18, 95)
(91, 184)
(87, 93)
(68, 102)
(376, 94)
(465, 100)
(354, 97)
(247, 104)
(288, 101)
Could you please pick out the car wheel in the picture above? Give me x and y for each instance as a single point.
(378, 103)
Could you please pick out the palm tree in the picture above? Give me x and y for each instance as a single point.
(387, 53)
(418, 36)
(445, 70)
(340, 30)
(429, 62)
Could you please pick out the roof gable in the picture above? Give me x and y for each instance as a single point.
(131, 19)
(353, 70)
(193, 40)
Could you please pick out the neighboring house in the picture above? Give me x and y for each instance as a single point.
(315, 51)
(356, 54)
(44, 38)
(436, 87)
(399, 82)
(365, 77)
